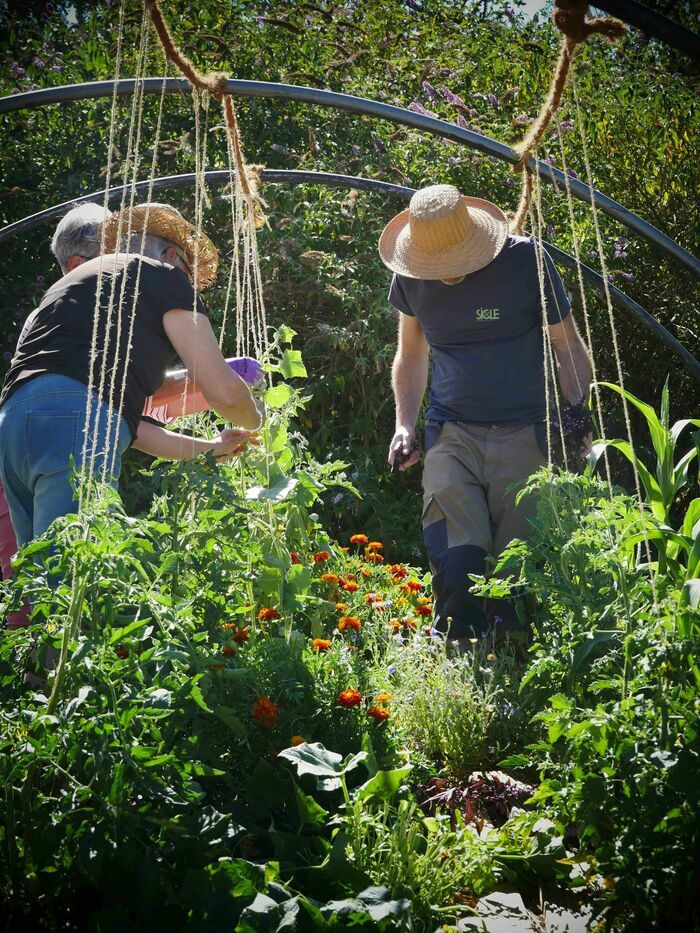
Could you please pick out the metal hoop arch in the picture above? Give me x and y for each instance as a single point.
(328, 179)
(366, 107)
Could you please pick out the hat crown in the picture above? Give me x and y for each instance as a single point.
(438, 218)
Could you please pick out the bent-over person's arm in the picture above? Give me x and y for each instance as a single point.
(196, 344)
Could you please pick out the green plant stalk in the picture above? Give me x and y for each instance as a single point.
(12, 853)
(70, 630)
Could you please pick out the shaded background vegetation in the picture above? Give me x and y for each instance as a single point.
(320, 267)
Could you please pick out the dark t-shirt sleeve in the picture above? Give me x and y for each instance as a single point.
(397, 296)
(558, 305)
(169, 288)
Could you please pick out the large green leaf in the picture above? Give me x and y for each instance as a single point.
(659, 436)
(375, 902)
(326, 766)
(384, 785)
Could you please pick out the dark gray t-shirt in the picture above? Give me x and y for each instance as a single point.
(485, 336)
(59, 334)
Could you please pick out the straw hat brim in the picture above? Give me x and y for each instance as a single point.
(170, 226)
(485, 241)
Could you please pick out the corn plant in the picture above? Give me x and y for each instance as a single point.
(662, 482)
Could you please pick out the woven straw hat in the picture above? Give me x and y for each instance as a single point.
(167, 222)
(443, 234)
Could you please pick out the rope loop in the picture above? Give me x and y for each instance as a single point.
(569, 17)
(214, 84)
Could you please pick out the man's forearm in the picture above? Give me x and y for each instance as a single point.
(575, 373)
(409, 381)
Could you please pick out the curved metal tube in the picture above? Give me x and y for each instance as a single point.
(282, 176)
(361, 105)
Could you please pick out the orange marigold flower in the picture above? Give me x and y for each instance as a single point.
(122, 652)
(228, 651)
(411, 586)
(242, 635)
(366, 573)
(401, 601)
(345, 550)
(329, 577)
(398, 572)
(372, 598)
(350, 586)
(350, 576)
(267, 615)
(228, 626)
(359, 539)
(380, 713)
(321, 556)
(349, 698)
(216, 668)
(297, 740)
(374, 558)
(383, 698)
(424, 601)
(341, 607)
(294, 557)
(349, 623)
(320, 644)
(410, 623)
(265, 712)
(424, 611)
(375, 546)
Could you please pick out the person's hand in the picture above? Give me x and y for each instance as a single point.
(232, 442)
(403, 446)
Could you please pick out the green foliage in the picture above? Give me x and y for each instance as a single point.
(614, 670)
(320, 268)
(462, 713)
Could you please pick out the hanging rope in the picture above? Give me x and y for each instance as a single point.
(98, 292)
(214, 84)
(569, 17)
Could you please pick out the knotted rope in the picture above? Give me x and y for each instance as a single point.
(214, 84)
(569, 17)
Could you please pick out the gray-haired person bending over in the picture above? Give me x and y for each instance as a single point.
(74, 354)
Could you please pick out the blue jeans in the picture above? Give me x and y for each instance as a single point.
(42, 426)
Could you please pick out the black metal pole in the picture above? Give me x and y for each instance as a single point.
(281, 176)
(373, 108)
(653, 24)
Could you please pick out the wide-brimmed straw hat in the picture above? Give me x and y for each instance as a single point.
(443, 234)
(167, 222)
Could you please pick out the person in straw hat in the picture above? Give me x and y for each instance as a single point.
(471, 306)
(75, 356)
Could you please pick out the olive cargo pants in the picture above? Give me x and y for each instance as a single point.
(469, 508)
